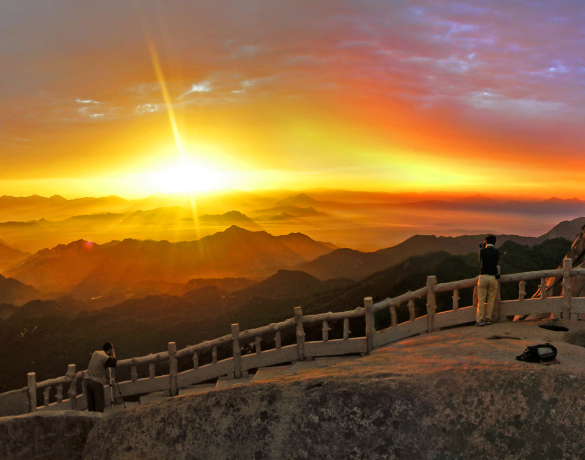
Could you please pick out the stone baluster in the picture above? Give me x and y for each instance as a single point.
(543, 292)
(277, 340)
(151, 370)
(60, 393)
(392, 315)
(411, 310)
(214, 355)
(346, 330)
(195, 360)
(522, 290)
(258, 344)
(326, 330)
(456, 299)
(47, 395)
(133, 370)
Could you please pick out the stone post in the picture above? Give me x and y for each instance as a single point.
(370, 326)
(72, 393)
(32, 391)
(173, 367)
(300, 333)
(236, 351)
(567, 266)
(431, 305)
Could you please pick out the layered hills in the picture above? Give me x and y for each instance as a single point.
(10, 256)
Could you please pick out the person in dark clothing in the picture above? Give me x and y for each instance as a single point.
(487, 286)
(95, 377)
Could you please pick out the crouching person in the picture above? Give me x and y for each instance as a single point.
(95, 378)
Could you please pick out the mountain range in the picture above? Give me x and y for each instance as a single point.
(349, 263)
(10, 256)
(110, 273)
(236, 252)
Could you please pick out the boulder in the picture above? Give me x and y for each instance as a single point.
(454, 394)
(46, 435)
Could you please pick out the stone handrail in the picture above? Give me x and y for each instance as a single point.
(238, 365)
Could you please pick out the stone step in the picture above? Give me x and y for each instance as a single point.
(196, 389)
(224, 382)
(270, 372)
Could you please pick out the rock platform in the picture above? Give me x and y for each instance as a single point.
(452, 394)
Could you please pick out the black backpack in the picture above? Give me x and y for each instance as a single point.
(542, 353)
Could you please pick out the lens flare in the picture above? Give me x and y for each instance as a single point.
(186, 177)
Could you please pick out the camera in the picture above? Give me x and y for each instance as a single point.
(482, 245)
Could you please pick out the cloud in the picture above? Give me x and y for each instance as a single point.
(148, 108)
(246, 52)
(525, 107)
(202, 87)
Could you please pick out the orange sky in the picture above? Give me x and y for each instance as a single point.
(131, 98)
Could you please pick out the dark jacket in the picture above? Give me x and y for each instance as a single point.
(488, 260)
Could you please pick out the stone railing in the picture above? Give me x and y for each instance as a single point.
(237, 365)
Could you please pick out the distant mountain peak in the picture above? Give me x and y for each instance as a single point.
(236, 229)
(302, 199)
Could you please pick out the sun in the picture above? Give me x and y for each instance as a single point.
(187, 177)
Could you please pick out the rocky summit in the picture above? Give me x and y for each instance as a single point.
(453, 394)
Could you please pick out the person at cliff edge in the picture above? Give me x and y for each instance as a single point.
(487, 286)
(95, 378)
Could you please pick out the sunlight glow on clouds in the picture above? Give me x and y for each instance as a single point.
(309, 88)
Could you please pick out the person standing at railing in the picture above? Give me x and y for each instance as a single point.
(95, 378)
(487, 286)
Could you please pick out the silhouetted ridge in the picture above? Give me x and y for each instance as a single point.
(283, 284)
(14, 292)
(41, 309)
